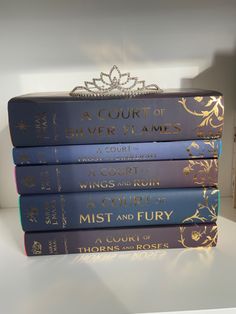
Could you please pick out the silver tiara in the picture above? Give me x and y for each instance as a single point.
(114, 84)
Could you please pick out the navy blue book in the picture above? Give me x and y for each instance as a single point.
(116, 176)
(61, 119)
(118, 209)
(117, 152)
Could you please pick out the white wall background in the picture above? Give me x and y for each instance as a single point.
(56, 44)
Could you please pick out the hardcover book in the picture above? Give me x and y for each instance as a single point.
(117, 152)
(116, 176)
(120, 239)
(115, 108)
(118, 209)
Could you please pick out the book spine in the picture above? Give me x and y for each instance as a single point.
(120, 239)
(116, 152)
(118, 209)
(116, 176)
(47, 123)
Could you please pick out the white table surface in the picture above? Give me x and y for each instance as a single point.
(124, 282)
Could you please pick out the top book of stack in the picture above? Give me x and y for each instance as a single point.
(46, 119)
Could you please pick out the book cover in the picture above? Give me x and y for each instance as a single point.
(117, 152)
(61, 119)
(118, 209)
(120, 239)
(116, 176)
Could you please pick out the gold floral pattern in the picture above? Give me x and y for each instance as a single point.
(202, 170)
(203, 237)
(211, 112)
(204, 206)
(213, 147)
(194, 151)
(196, 235)
(192, 148)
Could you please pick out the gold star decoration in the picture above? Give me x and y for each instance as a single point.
(29, 181)
(22, 126)
(24, 158)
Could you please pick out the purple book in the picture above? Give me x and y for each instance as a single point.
(47, 119)
(119, 239)
(116, 176)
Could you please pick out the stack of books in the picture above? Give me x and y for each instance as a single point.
(117, 165)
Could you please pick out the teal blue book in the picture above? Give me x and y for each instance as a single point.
(119, 209)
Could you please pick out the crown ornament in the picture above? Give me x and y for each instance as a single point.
(114, 84)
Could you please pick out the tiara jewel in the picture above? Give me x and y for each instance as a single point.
(114, 84)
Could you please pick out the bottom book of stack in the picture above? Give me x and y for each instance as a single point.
(120, 239)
